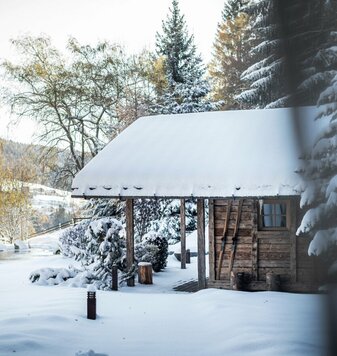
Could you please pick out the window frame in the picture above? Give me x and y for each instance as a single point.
(273, 201)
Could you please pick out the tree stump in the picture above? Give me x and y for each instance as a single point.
(273, 281)
(237, 280)
(144, 273)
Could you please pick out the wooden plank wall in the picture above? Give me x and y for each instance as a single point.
(243, 256)
(259, 252)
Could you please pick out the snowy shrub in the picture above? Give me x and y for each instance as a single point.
(145, 252)
(71, 240)
(156, 251)
(52, 276)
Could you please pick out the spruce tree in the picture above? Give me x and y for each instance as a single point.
(320, 165)
(186, 87)
(288, 33)
(231, 54)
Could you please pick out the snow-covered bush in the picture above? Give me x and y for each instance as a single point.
(145, 252)
(52, 276)
(101, 244)
(155, 250)
(71, 240)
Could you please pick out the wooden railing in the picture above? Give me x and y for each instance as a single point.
(60, 226)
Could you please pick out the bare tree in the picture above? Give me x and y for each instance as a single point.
(81, 100)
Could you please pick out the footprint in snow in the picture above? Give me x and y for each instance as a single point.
(89, 353)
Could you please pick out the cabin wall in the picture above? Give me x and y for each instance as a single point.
(259, 251)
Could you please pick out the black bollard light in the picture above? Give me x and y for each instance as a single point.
(91, 303)
(188, 256)
(114, 272)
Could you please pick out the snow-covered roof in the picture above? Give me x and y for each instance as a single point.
(213, 154)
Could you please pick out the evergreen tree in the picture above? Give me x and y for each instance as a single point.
(186, 87)
(231, 54)
(288, 33)
(320, 166)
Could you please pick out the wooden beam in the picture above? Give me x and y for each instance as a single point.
(129, 239)
(182, 234)
(201, 244)
(211, 239)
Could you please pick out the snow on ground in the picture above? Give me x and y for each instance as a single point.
(150, 320)
(49, 241)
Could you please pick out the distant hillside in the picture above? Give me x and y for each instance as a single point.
(28, 163)
(51, 207)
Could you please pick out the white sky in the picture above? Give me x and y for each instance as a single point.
(132, 23)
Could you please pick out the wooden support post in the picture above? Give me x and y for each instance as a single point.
(129, 239)
(211, 239)
(182, 234)
(201, 244)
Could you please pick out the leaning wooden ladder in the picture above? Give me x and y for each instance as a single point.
(223, 240)
(235, 238)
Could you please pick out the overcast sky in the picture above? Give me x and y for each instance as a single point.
(132, 23)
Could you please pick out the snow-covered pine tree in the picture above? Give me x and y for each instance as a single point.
(71, 240)
(104, 247)
(104, 207)
(231, 54)
(186, 89)
(145, 212)
(320, 166)
(320, 60)
(288, 32)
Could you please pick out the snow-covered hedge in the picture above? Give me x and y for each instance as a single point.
(153, 249)
(100, 244)
(52, 276)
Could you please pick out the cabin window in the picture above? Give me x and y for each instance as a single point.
(273, 214)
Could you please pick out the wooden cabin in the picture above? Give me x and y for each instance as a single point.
(266, 244)
(244, 164)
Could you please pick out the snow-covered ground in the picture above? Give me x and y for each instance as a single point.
(150, 320)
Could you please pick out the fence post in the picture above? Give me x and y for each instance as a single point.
(114, 273)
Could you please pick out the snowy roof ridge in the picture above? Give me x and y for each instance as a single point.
(213, 154)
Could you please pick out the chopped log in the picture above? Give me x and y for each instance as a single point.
(144, 273)
(237, 280)
(273, 281)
